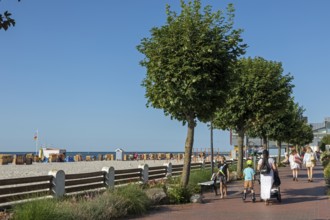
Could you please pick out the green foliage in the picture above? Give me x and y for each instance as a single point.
(6, 21)
(233, 167)
(40, 210)
(189, 64)
(302, 133)
(178, 194)
(325, 141)
(324, 155)
(188, 61)
(105, 206)
(327, 171)
(325, 158)
(196, 177)
(259, 93)
(137, 201)
(117, 203)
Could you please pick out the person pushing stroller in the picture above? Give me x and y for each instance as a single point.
(249, 174)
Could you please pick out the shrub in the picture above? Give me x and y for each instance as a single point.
(117, 203)
(39, 210)
(198, 176)
(327, 172)
(233, 167)
(178, 194)
(105, 206)
(325, 158)
(136, 200)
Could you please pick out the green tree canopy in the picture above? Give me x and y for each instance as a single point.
(259, 93)
(325, 141)
(6, 21)
(188, 62)
(299, 132)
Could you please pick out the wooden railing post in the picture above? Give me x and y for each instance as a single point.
(168, 169)
(109, 180)
(58, 188)
(144, 173)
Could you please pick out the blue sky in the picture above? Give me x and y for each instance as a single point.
(71, 70)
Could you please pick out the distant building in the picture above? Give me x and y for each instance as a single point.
(320, 130)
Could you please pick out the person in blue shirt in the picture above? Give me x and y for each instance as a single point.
(249, 173)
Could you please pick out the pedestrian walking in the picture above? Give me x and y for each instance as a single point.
(309, 161)
(295, 163)
(266, 167)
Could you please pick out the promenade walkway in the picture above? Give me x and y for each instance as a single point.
(300, 200)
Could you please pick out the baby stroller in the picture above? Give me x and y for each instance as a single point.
(275, 191)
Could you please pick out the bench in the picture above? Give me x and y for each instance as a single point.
(210, 183)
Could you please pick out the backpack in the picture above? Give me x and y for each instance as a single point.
(265, 168)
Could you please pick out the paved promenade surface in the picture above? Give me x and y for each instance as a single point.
(300, 200)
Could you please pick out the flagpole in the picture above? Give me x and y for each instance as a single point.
(37, 135)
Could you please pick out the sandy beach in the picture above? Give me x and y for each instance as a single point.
(39, 169)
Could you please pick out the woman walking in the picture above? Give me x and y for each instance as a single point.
(309, 161)
(266, 166)
(295, 162)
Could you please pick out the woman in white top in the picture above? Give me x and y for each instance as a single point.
(309, 161)
(266, 180)
(295, 162)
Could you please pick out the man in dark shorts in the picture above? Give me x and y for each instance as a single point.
(223, 176)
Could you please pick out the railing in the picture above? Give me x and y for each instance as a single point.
(127, 176)
(24, 188)
(84, 181)
(57, 183)
(159, 172)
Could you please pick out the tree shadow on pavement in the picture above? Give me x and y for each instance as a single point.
(303, 195)
(292, 200)
(303, 175)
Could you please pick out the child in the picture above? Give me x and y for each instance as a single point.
(248, 180)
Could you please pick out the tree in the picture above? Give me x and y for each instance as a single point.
(279, 128)
(260, 91)
(6, 21)
(299, 132)
(325, 141)
(290, 126)
(188, 64)
(274, 94)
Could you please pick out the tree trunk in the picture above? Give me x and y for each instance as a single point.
(265, 142)
(240, 140)
(288, 148)
(279, 152)
(188, 152)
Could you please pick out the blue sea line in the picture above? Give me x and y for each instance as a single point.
(84, 154)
